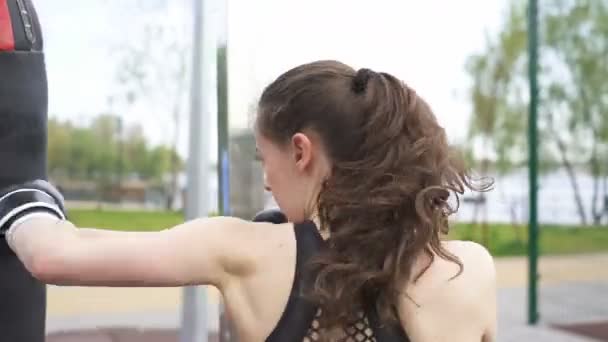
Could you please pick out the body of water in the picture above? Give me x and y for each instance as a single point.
(556, 203)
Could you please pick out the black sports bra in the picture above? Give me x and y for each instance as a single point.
(299, 321)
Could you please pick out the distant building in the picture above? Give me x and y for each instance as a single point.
(246, 177)
(246, 181)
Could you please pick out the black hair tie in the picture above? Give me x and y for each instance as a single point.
(360, 80)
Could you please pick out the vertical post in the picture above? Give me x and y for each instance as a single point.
(533, 163)
(223, 159)
(223, 170)
(222, 119)
(194, 307)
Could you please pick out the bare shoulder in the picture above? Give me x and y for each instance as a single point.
(476, 272)
(451, 302)
(473, 256)
(253, 239)
(264, 242)
(473, 268)
(238, 246)
(235, 231)
(239, 229)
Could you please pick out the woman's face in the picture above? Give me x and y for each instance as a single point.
(293, 173)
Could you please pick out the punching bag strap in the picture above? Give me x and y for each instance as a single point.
(7, 41)
(19, 26)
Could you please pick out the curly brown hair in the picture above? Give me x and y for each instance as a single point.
(386, 199)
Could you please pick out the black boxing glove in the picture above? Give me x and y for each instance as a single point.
(19, 201)
(270, 215)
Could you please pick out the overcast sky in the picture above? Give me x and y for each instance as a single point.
(425, 43)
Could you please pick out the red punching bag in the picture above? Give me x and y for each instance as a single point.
(23, 144)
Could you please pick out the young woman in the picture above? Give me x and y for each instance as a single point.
(362, 171)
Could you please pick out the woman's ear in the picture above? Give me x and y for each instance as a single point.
(302, 150)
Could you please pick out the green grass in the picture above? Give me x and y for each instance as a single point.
(503, 240)
(124, 220)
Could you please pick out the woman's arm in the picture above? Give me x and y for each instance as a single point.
(201, 251)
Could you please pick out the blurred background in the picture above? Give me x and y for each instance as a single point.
(120, 101)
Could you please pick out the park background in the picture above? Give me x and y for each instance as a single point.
(119, 105)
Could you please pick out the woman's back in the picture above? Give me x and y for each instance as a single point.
(435, 308)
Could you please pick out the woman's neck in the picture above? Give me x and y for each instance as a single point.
(317, 221)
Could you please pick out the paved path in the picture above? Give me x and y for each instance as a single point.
(558, 304)
(573, 289)
(569, 303)
(554, 270)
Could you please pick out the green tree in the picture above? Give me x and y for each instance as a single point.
(103, 151)
(573, 118)
(105, 130)
(575, 103)
(81, 165)
(136, 154)
(498, 106)
(58, 151)
(155, 71)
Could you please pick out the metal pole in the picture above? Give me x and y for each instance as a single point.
(533, 163)
(223, 164)
(194, 306)
(222, 111)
